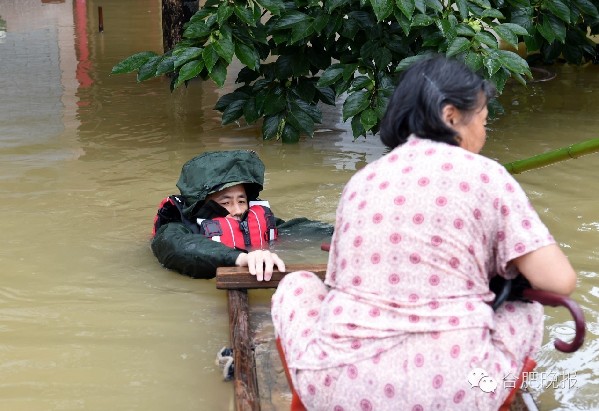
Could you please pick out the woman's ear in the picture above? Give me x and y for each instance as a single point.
(450, 115)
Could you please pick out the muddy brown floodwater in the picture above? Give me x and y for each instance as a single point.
(88, 318)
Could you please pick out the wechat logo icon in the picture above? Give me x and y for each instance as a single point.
(478, 377)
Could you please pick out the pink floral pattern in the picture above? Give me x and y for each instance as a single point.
(403, 315)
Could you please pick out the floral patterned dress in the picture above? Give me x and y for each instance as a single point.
(403, 319)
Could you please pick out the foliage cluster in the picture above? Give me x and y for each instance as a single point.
(299, 53)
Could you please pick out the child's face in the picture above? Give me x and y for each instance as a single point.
(233, 199)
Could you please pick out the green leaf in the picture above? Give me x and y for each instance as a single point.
(349, 70)
(310, 109)
(572, 54)
(492, 13)
(271, 125)
(365, 19)
(386, 84)
(383, 58)
(558, 27)
(274, 6)
(326, 95)
(398, 45)
(357, 127)
(290, 134)
(382, 101)
(500, 78)
(148, 70)
(245, 15)
(408, 61)
(331, 5)
(462, 8)
(196, 30)
(225, 100)
(284, 66)
(459, 45)
(474, 61)
(407, 7)
(290, 18)
(224, 12)
(233, 112)
(422, 20)
(519, 78)
(587, 8)
(275, 102)
(250, 111)
(210, 57)
(211, 20)
(559, 9)
(305, 89)
(516, 28)
(486, 38)
(525, 3)
(200, 15)
(301, 121)
(362, 82)
(247, 55)
(552, 51)
(404, 23)
(166, 65)
(318, 58)
(420, 5)
(369, 119)
(342, 87)
(133, 62)
(492, 64)
(523, 16)
(219, 73)
(320, 22)
(447, 29)
(189, 70)
(225, 48)
(534, 41)
(434, 40)
(382, 8)
(485, 4)
(544, 28)
(465, 30)
(355, 103)
(513, 62)
(300, 31)
(506, 34)
(434, 5)
(331, 75)
(185, 55)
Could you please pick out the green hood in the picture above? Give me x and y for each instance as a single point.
(210, 171)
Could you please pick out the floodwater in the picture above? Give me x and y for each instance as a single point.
(88, 318)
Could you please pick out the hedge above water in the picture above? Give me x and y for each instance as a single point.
(297, 54)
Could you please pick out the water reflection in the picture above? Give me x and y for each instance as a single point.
(88, 319)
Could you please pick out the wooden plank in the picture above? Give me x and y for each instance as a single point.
(245, 384)
(240, 278)
(237, 280)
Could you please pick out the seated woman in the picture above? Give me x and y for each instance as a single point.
(403, 320)
(219, 221)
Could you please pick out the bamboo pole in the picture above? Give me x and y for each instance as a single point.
(554, 156)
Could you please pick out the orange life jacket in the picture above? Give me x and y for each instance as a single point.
(255, 230)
